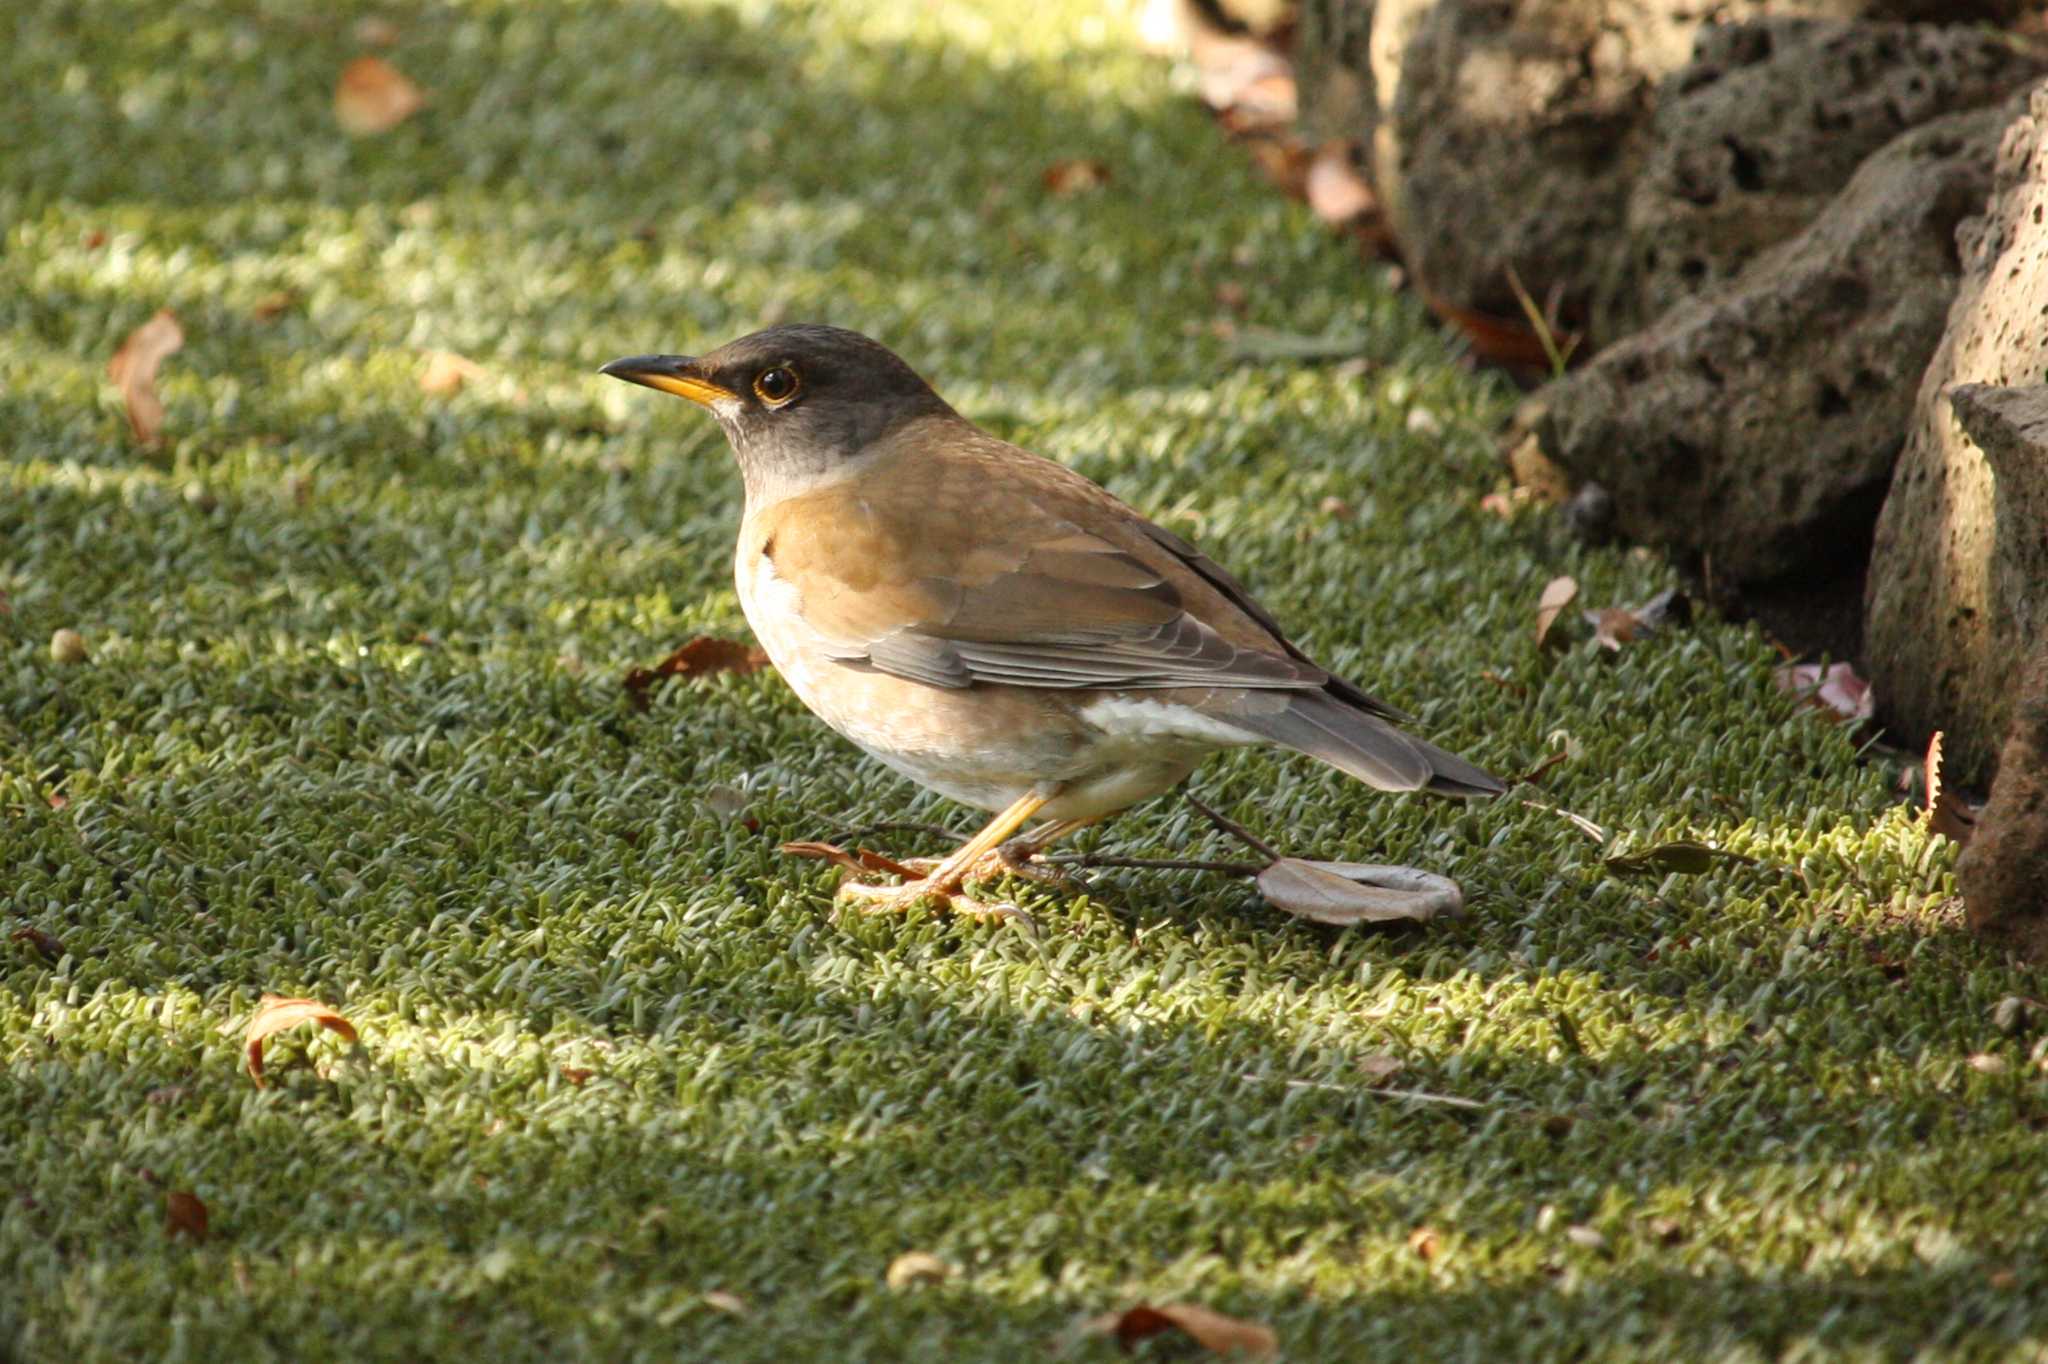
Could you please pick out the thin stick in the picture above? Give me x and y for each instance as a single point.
(1233, 828)
(1152, 863)
(1418, 1095)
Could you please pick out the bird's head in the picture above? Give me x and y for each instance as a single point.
(800, 402)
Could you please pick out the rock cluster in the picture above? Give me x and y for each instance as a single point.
(1807, 241)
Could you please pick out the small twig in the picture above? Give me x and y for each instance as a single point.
(1418, 1095)
(1153, 863)
(1233, 828)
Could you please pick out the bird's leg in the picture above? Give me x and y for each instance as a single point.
(942, 883)
(1016, 857)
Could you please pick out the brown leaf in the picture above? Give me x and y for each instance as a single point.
(699, 657)
(1835, 688)
(133, 370)
(1424, 1242)
(1344, 893)
(45, 945)
(576, 1075)
(446, 373)
(184, 1215)
(372, 97)
(277, 1013)
(1948, 814)
(1210, 1329)
(1077, 175)
(1557, 595)
(1504, 341)
(1336, 189)
(917, 1267)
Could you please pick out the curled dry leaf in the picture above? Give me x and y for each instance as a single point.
(1835, 688)
(277, 1014)
(1345, 893)
(1208, 1328)
(1682, 856)
(1336, 189)
(917, 1267)
(133, 370)
(1557, 595)
(446, 372)
(1948, 814)
(184, 1215)
(1424, 1243)
(373, 97)
(576, 1075)
(699, 657)
(1074, 176)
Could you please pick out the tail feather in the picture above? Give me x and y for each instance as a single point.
(1365, 746)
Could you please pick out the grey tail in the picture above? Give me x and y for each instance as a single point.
(1359, 743)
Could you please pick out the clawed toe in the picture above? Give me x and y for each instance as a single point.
(898, 899)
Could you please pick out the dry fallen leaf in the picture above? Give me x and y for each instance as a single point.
(184, 1215)
(373, 97)
(1948, 814)
(446, 373)
(1424, 1242)
(1075, 176)
(1613, 626)
(1557, 595)
(1336, 189)
(1587, 1237)
(732, 1304)
(576, 1075)
(1344, 893)
(699, 657)
(277, 1014)
(1209, 1329)
(133, 370)
(1835, 688)
(917, 1267)
(1987, 1063)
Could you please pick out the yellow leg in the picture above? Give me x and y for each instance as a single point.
(942, 882)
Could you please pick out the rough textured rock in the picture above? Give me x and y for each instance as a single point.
(1508, 132)
(1958, 583)
(1758, 426)
(2003, 874)
(1752, 138)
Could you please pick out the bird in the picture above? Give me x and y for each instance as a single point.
(989, 622)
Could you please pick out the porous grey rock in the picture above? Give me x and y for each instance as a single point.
(2003, 874)
(1751, 139)
(1757, 426)
(1958, 584)
(1507, 133)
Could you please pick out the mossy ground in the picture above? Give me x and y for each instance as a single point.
(353, 727)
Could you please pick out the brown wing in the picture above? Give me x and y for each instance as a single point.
(1067, 588)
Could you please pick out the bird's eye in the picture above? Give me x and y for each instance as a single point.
(775, 386)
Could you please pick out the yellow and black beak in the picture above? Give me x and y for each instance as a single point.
(675, 374)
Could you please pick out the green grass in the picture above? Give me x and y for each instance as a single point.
(353, 727)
